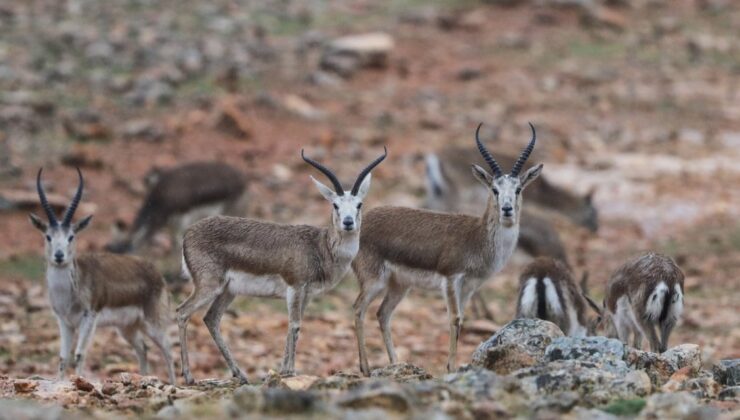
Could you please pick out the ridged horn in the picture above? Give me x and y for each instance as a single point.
(44, 202)
(525, 153)
(75, 200)
(370, 167)
(329, 174)
(497, 172)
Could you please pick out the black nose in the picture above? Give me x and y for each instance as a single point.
(59, 256)
(348, 222)
(507, 210)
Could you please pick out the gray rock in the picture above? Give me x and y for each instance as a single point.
(730, 393)
(520, 343)
(99, 52)
(27, 409)
(401, 372)
(676, 405)
(389, 396)
(601, 350)
(142, 129)
(660, 367)
(347, 54)
(727, 372)
(591, 381)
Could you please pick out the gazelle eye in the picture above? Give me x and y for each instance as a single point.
(519, 190)
(71, 237)
(495, 191)
(48, 238)
(359, 205)
(336, 207)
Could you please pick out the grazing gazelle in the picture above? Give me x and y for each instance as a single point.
(644, 293)
(230, 256)
(401, 248)
(547, 291)
(91, 290)
(179, 197)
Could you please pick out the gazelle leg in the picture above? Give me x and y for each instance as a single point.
(157, 334)
(87, 331)
(198, 299)
(665, 332)
(213, 322)
(393, 296)
(133, 337)
(295, 298)
(648, 329)
(367, 295)
(452, 292)
(66, 335)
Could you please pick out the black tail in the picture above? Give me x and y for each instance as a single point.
(667, 302)
(541, 299)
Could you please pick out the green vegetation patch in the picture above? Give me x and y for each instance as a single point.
(625, 407)
(30, 267)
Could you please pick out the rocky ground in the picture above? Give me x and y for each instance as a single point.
(638, 99)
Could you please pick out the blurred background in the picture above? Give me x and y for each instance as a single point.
(636, 105)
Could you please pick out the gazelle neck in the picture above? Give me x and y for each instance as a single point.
(342, 245)
(490, 218)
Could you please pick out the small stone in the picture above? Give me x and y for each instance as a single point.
(23, 387)
(142, 129)
(727, 372)
(83, 384)
(469, 73)
(302, 108)
(86, 125)
(231, 120)
(604, 17)
(347, 54)
(111, 388)
(401, 372)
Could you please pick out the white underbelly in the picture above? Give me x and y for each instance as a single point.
(120, 317)
(242, 283)
(421, 279)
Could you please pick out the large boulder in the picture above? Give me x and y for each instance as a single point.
(600, 350)
(727, 372)
(520, 343)
(660, 367)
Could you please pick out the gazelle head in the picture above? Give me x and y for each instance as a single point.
(347, 212)
(59, 237)
(506, 189)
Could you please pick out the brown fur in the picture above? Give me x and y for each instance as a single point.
(297, 253)
(637, 280)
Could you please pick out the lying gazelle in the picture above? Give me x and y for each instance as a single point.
(547, 291)
(644, 293)
(401, 248)
(448, 189)
(180, 196)
(229, 256)
(93, 290)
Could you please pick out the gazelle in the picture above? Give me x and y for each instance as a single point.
(179, 197)
(92, 290)
(644, 293)
(448, 189)
(230, 256)
(401, 248)
(547, 291)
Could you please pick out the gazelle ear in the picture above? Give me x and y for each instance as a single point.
(37, 222)
(327, 192)
(81, 224)
(364, 187)
(531, 174)
(482, 176)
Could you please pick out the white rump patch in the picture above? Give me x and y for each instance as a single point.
(575, 329)
(655, 302)
(551, 297)
(528, 302)
(677, 302)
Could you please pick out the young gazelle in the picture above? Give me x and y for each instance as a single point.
(644, 293)
(401, 248)
(92, 290)
(229, 256)
(547, 291)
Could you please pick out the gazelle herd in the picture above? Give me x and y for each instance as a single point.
(391, 250)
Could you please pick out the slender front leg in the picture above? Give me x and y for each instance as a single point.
(87, 331)
(66, 334)
(213, 322)
(393, 297)
(452, 294)
(294, 297)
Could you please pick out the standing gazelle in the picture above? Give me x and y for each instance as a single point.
(644, 293)
(401, 248)
(229, 256)
(103, 289)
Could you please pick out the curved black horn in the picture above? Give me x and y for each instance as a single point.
(75, 201)
(363, 174)
(329, 174)
(497, 172)
(525, 153)
(44, 202)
